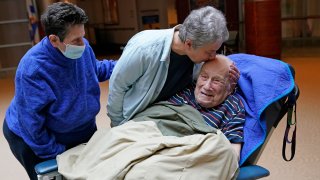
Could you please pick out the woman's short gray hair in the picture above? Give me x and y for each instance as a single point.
(204, 25)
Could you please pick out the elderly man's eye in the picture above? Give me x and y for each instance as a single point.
(218, 81)
(203, 77)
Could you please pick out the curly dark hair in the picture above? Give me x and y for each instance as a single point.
(59, 17)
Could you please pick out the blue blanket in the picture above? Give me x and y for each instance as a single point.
(263, 81)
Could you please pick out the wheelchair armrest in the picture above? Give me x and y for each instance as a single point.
(251, 172)
(46, 167)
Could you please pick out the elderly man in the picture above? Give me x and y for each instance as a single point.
(212, 97)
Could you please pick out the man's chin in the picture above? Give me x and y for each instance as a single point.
(205, 104)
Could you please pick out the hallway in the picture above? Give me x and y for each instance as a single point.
(307, 159)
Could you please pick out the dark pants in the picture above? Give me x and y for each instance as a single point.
(22, 152)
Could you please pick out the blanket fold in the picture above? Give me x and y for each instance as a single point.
(175, 120)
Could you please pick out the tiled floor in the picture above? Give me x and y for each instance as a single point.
(304, 166)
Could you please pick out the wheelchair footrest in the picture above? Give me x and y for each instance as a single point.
(46, 167)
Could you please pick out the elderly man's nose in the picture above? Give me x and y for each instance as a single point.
(207, 85)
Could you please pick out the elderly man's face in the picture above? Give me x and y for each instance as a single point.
(212, 86)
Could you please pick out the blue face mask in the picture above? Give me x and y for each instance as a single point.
(73, 51)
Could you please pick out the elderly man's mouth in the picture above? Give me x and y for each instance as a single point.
(206, 94)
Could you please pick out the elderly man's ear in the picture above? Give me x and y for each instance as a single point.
(231, 88)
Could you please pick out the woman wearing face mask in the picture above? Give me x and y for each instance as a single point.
(57, 94)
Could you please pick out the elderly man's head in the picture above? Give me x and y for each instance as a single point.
(213, 84)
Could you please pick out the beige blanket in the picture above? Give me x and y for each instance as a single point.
(139, 150)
